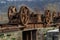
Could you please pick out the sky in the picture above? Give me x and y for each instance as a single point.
(53, 5)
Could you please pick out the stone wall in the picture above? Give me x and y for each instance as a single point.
(17, 35)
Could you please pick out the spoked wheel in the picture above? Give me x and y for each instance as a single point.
(24, 19)
(11, 12)
(24, 11)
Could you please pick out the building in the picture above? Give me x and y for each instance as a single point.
(53, 34)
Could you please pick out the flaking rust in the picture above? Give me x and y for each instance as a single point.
(25, 18)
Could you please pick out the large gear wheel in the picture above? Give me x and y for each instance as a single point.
(11, 12)
(24, 11)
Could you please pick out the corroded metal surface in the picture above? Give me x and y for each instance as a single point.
(10, 28)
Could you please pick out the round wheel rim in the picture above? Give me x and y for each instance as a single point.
(24, 16)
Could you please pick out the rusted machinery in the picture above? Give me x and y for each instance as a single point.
(24, 16)
(17, 20)
(18, 17)
(27, 18)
